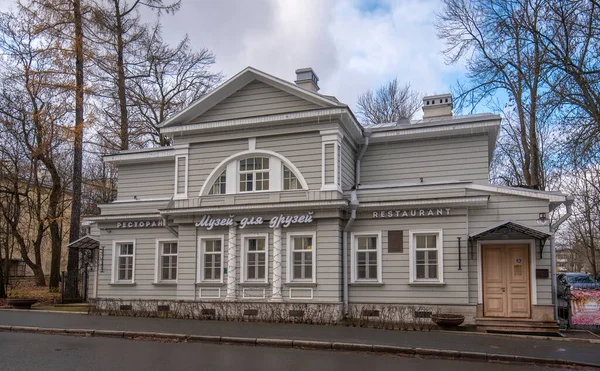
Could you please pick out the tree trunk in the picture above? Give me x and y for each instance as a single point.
(75, 226)
(54, 217)
(124, 133)
(2, 281)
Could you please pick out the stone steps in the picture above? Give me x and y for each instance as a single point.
(524, 325)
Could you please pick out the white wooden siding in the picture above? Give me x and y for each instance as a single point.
(395, 270)
(303, 150)
(462, 158)
(524, 211)
(146, 180)
(255, 99)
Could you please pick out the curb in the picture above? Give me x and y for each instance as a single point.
(536, 337)
(518, 336)
(299, 344)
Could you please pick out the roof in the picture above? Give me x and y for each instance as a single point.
(240, 80)
(406, 124)
(84, 243)
(510, 225)
(552, 196)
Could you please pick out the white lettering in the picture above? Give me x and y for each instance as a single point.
(208, 222)
(119, 224)
(408, 213)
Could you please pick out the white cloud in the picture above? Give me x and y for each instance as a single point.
(353, 45)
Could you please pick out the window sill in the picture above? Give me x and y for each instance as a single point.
(254, 284)
(366, 283)
(209, 284)
(425, 283)
(164, 283)
(300, 284)
(122, 284)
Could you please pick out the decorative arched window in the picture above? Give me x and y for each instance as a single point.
(290, 181)
(253, 171)
(219, 186)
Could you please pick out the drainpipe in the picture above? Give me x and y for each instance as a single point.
(553, 229)
(354, 203)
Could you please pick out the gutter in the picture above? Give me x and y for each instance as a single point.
(553, 229)
(354, 203)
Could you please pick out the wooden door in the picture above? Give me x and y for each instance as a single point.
(506, 285)
(518, 286)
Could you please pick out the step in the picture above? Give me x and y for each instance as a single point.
(515, 325)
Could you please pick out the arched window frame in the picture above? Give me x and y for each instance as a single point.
(230, 166)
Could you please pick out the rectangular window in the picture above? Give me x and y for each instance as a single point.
(302, 258)
(168, 261)
(124, 261)
(212, 251)
(254, 174)
(366, 258)
(426, 256)
(256, 258)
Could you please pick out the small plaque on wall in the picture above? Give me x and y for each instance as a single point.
(542, 273)
(395, 241)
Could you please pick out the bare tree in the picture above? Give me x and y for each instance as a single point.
(118, 28)
(169, 80)
(500, 42)
(35, 105)
(583, 227)
(64, 20)
(389, 103)
(570, 33)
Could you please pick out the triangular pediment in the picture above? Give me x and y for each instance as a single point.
(251, 93)
(255, 99)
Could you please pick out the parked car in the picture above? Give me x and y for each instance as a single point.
(575, 281)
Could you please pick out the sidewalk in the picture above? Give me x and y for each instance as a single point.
(572, 351)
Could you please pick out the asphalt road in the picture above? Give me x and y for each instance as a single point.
(20, 351)
(575, 351)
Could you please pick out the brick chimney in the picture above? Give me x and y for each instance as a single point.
(437, 106)
(307, 79)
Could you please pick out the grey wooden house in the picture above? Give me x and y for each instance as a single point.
(273, 192)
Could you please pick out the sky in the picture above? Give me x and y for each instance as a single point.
(352, 45)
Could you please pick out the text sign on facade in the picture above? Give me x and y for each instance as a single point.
(410, 213)
(284, 221)
(141, 224)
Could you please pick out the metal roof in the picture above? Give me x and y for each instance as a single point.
(510, 226)
(84, 243)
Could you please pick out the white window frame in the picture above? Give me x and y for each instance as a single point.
(231, 165)
(412, 255)
(215, 183)
(335, 138)
(158, 261)
(354, 260)
(185, 186)
(290, 257)
(283, 167)
(200, 261)
(268, 171)
(244, 269)
(115, 262)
